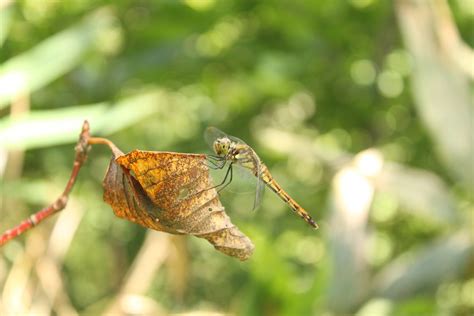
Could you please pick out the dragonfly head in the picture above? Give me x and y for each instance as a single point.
(222, 146)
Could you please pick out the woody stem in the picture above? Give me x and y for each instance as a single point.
(82, 148)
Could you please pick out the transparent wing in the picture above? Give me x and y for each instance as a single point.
(243, 185)
(212, 133)
(260, 190)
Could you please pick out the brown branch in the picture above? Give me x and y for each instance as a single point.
(82, 148)
(105, 141)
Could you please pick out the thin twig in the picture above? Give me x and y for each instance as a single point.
(105, 141)
(82, 148)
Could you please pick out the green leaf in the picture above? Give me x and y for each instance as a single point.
(5, 21)
(53, 57)
(52, 127)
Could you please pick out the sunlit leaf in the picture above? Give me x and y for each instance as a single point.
(421, 192)
(440, 87)
(172, 192)
(52, 127)
(52, 58)
(6, 12)
(426, 269)
(351, 198)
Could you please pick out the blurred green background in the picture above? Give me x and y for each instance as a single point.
(362, 110)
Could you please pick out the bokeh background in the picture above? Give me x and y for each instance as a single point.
(362, 109)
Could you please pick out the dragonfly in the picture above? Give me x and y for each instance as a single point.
(229, 150)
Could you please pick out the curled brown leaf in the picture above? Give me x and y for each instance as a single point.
(173, 193)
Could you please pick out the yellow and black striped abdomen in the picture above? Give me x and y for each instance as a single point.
(270, 182)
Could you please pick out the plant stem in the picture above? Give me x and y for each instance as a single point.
(82, 148)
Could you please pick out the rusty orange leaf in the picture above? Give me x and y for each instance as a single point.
(173, 193)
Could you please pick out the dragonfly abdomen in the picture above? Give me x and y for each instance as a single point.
(272, 184)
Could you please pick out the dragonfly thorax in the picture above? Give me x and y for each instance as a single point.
(237, 153)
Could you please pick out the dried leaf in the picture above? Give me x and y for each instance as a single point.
(172, 192)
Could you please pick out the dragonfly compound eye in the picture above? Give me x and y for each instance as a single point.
(218, 147)
(222, 146)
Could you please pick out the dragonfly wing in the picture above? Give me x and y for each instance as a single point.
(212, 133)
(260, 188)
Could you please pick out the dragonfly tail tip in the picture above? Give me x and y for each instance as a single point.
(314, 224)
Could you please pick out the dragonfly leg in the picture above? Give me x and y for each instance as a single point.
(213, 165)
(216, 157)
(222, 185)
(216, 162)
(216, 165)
